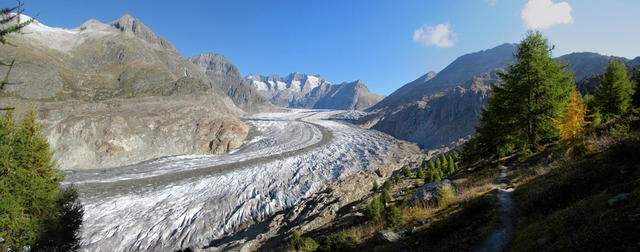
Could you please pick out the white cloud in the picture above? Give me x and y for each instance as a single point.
(439, 35)
(542, 14)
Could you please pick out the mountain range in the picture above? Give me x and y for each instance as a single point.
(440, 109)
(299, 90)
(112, 94)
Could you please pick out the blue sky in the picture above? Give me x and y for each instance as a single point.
(374, 41)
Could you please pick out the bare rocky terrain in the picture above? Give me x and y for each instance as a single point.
(116, 94)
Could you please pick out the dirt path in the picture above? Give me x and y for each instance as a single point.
(500, 238)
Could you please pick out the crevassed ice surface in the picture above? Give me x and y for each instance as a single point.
(176, 202)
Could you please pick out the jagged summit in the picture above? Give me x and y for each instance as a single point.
(127, 23)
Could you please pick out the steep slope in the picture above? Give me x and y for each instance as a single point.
(109, 93)
(440, 109)
(226, 76)
(312, 91)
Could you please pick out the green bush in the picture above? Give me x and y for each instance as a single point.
(338, 242)
(300, 243)
(445, 195)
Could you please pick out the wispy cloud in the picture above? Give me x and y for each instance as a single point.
(491, 2)
(440, 35)
(542, 14)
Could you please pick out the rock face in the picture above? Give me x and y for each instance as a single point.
(226, 76)
(440, 109)
(115, 94)
(312, 91)
(428, 192)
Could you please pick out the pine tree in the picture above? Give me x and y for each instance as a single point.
(443, 160)
(431, 165)
(420, 173)
(519, 113)
(34, 211)
(572, 123)
(375, 209)
(375, 186)
(10, 23)
(393, 216)
(386, 197)
(438, 164)
(450, 165)
(455, 155)
(613, 96)
(407, 173)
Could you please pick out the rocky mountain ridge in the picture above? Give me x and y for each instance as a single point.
(227, 77)
(106, 94)
(440, 109)
(312, 91)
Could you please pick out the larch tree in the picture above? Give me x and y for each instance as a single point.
(613, 96)
(573, 121)
(519, 113)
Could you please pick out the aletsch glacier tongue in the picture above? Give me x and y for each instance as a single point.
(176, 202)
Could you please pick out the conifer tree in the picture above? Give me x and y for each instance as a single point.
(443, 160)
(438, 164)
(572, 123)
(393, 216)
(375, 209)
(420, 173)
(519, 113)
(375, 186)
(431, 165)
(407, 173)
(450, 165)
(613, 96)
(386, 197)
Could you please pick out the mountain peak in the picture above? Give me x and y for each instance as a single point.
(128, 23)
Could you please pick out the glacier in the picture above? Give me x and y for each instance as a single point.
(176, 202)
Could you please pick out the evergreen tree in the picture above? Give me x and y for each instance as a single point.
(10, 23)
(451, 166)
(613, 96)
(407, 173)
(374, 210)
(375, 186)
(455, 155)
(420, 173)
(393, 216)
(438, 164)
(443, 160)
(385, 198)
(534, 91)
(34, 211)
(432, 166)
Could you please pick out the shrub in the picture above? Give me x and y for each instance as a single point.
(445, 195)
(300, 243)
(375, 186)
(338, 242)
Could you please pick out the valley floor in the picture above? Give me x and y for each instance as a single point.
(187, 201)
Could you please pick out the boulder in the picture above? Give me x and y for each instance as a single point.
(388, 236)
(428, 192)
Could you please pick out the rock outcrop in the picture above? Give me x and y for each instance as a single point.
(312, 91)
(427, 194)
(115, 94)
(227, 77)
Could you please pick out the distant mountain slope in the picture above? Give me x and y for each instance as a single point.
(226, 76)
(439, 109)
(312, 91)
(115, 94)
